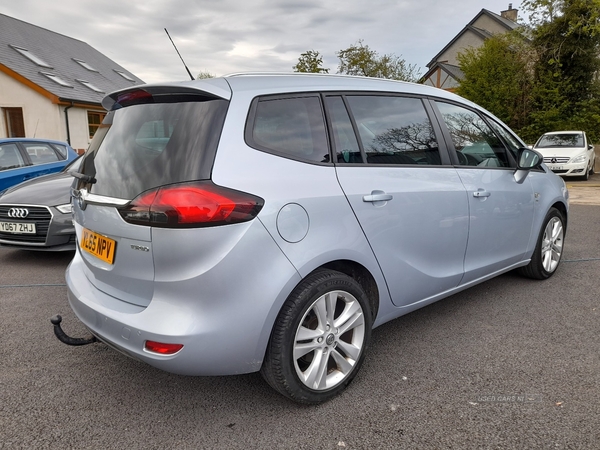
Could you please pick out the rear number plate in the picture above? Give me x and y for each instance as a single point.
(100, 246)
(17, 227)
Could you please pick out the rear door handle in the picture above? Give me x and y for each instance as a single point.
(481, 193)
(377, 196)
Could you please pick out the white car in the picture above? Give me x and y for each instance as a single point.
(567, 153)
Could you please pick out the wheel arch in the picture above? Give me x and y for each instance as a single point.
(362, 275)
(562, 208)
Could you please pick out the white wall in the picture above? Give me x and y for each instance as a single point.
(42, 118)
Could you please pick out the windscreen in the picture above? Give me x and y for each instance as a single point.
(561, 140)
(143, 146)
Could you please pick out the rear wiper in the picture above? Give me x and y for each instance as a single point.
(83, 177)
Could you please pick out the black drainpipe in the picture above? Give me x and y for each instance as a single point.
(67, 121)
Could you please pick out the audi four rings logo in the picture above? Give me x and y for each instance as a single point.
(18, 213)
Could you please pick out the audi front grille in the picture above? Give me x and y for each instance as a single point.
(40, 215)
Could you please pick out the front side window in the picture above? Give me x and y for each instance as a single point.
(291, 127)
(346, 145)
(513, 143)
(394, 130)
(40, 153)
(475, 142)
(10, 157)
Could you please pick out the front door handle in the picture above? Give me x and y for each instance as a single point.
(481, 193)
(377, 196)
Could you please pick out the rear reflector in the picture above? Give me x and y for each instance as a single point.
(191, 205)
(161, 348)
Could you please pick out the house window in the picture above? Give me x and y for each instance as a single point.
(15, 126)
(89, 85)
(94, 121)
(124, 75)
(56, 79)
(84, 65)
(32, 57)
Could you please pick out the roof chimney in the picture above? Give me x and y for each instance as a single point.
(510, 13)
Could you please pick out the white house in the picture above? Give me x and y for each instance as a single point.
(51, 85)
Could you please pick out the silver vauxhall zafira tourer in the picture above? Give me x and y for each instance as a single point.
(268, 222)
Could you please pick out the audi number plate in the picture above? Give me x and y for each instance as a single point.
(100, 246)
(17, 227)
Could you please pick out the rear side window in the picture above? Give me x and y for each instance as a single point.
(394, 130)
(290, 127)
(143, 146)
(475, 142)
(62, 150)
(40, 153)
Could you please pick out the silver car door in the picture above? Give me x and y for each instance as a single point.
(413, 209)
(500, 208)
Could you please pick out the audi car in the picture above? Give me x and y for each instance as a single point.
(22, 159)
(36, 214)
(567, 153)
(270, 222)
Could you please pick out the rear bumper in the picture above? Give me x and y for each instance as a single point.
(223, 326)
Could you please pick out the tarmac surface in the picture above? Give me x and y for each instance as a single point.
(584, 192)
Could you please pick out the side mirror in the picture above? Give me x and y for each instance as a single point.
(590, 147)
(528, 159)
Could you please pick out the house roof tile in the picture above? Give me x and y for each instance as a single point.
(60, 52)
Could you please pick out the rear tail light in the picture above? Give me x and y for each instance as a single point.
(191, 205)
(162, 348)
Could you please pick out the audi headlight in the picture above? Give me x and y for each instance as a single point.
(65, 209)
(579, 159)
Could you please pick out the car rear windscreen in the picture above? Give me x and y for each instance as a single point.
(143, 146)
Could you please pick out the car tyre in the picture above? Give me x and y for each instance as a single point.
(319, 339)
(549, 248)
(586, 176)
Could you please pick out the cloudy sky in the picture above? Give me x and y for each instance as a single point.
(224, 36)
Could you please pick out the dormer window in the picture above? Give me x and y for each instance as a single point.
(32, 57)
(84, 65)
(89, 85)
(124, 75)
(56, 79)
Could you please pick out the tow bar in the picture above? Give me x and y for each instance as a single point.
(62, 336)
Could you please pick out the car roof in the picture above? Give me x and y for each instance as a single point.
(33, 140)
(563, 132)
(264, 83)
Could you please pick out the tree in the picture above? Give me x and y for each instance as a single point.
(566, 38)
(204, 75)
(546, 80)
(359, 59)
(310, 61)
(499, 76)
